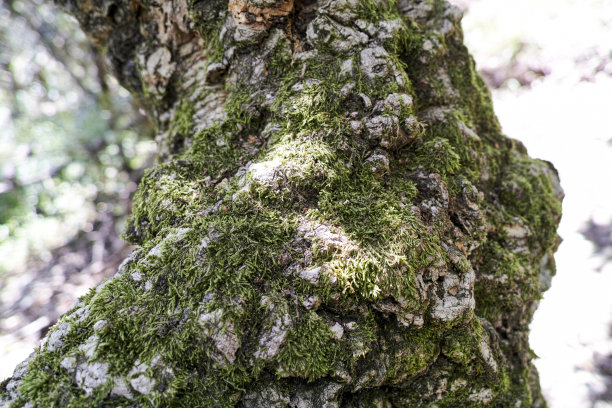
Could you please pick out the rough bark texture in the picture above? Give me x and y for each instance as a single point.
(336, 219)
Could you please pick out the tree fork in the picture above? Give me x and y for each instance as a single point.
(335, 219)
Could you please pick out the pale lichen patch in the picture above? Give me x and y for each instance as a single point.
(451, 307)
(488, 356)
(157, 69)
(55, 339)
(90, 376)
(271, 339)
(311, 274)
(69, 363)
(100, 324)
(484, 396)
(271, 397)
(222, 333)
(121, 388)
(337, 330)
(88, 348)
(143, 384)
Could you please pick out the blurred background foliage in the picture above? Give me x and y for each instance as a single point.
(73, 145)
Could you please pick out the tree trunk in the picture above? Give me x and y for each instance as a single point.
(336, 219)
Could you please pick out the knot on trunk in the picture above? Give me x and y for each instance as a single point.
(254, 17)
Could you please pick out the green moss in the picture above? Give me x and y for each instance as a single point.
(437, 156)
(210, 17)
(297, 359)
(527, 192)
(377, 216)
(167, 197)
(376, 11)
(474, 93)
(413, 353)
(183, 119)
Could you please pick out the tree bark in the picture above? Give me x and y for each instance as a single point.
(335, 219)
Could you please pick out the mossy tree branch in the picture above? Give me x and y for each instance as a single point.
(335, 219)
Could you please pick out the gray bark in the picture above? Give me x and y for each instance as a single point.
(336, 219)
